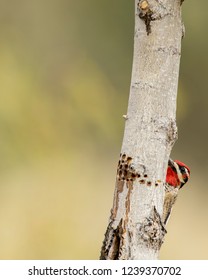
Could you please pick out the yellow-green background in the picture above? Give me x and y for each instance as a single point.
(65, 69)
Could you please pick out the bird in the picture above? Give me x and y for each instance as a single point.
(178, 174)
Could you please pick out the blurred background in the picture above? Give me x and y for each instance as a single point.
(65, 69)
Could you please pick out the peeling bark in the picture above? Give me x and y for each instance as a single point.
(135, 229)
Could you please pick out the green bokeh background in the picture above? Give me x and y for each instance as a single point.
(65, 69)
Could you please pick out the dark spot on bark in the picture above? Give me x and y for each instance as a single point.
(129, 158)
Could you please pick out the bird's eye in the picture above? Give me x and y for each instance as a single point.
(183, 169)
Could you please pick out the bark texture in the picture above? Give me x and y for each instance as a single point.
(135, 230)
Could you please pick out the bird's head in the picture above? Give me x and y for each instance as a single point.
(178, 173)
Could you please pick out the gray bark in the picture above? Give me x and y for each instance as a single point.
(135, 230)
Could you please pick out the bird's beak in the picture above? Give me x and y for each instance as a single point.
(171, 162)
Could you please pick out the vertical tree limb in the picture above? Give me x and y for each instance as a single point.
(135, 230)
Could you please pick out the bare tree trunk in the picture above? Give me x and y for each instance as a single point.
(135, 230)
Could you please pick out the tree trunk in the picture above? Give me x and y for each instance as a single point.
(135, 230)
